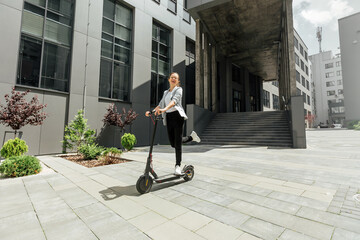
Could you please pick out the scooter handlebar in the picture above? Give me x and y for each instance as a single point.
(151, 114)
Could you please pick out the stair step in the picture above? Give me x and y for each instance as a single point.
(249, 128)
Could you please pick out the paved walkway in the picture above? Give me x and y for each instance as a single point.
(237, 193)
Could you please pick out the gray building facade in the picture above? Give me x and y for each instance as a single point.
(328, 84)
(349, 31)
(87, 54)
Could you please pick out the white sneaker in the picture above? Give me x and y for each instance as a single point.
(195, 137)
(177, 170)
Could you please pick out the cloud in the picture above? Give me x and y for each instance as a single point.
(322, 12)
(340, 8)
(317, 17)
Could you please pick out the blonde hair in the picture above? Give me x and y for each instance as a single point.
(178, 85)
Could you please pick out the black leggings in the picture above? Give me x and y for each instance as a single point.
(174, 125)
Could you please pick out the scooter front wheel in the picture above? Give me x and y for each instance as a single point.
(144, 184)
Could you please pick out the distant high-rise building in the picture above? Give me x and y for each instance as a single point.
(349, 30)
(303, 81)
(328, 85)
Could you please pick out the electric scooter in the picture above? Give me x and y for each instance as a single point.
(145, 181)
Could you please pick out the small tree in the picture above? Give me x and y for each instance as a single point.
(78, 133)
(113, 118)
(18, 112)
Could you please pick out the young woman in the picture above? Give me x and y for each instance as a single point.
(173, 118)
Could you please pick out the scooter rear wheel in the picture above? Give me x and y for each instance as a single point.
(189, 173)
(144, 184)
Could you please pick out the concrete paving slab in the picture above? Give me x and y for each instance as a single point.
(340, 234)
(216, 230)
(171, 230)
(192, 220)
(298, 193)
(262, 229)
(21, 226)
(291, 235)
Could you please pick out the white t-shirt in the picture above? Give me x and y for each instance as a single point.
(167, 101)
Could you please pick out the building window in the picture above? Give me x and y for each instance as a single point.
(331, 93)
(160, 62)
(329, 65)
(307, 85)
(45, 46)
(329, 74)
(306, 55)
(302, 65)
(301, 50)
(331, 101)
(296, 43)
(172, 6)
(340, 91)
(266, 98)
(308, 100)
(297, 60)
(158, 1)
(303, 81)
(338, 73)
(298, 91)
(339, 82)
(186, 15)
(297, 76)
(276, 105)
(330, 83)
(337, 109)
(190, 49)
(307, 70)
(338, 64)
(116, 41)
(275, 83)
(304, 97)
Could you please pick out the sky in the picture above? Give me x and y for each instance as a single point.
(310, 14)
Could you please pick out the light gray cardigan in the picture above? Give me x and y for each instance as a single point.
(176, 96)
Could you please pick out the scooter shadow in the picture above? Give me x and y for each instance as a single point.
(112, 193)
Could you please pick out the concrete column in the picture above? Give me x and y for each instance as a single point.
(287, 81)
(247, 90)
(214, 103)
(206, 72)
(291, 51)
(228, 83)
(198, 66)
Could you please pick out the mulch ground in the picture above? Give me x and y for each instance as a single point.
(95, 162)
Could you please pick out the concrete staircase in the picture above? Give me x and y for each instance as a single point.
(249, 128)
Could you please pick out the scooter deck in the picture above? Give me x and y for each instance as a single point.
(168, 177)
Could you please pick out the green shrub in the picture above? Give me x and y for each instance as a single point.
(111, 151)
(90, 151)
(354, 125)
(14, 147)
(20, 166)
(77, 133)
(109, 155)
(128, 141)
(357, 126)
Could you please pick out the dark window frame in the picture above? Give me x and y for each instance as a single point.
(44, 40)
(155, 89)
(118, 64)
(170, 10)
